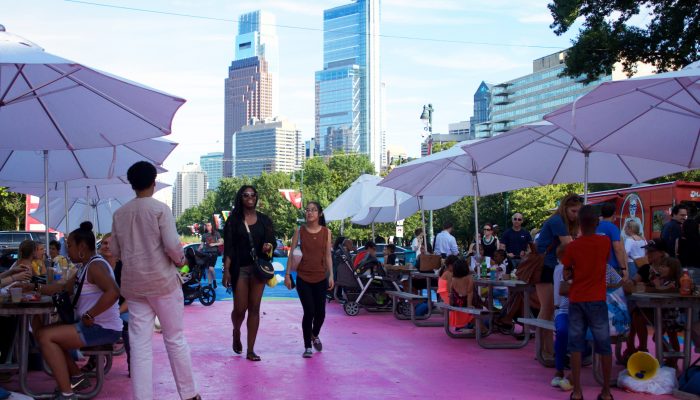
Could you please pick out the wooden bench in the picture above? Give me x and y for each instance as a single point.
(400, 300)
(476, 312)
(103, 353)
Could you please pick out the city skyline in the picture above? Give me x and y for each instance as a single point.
(187, 56)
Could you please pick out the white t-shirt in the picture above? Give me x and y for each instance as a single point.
(416, 246)
(634, 249)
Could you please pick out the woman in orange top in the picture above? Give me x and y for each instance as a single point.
(457, 319)
(314, 274)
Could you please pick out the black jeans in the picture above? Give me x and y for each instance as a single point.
(313, 300)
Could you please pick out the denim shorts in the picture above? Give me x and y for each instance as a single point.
(96, 335)
(591, 315)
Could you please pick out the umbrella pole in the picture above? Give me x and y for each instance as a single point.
(422, 220)
(342, 226)
(46, 197)
(373, 231)
(65, 204)
(586, 155)
(476, 214)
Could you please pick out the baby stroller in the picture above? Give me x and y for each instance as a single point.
(364, 287)
(192, 288)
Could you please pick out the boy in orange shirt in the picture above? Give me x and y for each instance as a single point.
(585, 263)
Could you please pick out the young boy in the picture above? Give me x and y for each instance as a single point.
(561, 323)
(585, 262)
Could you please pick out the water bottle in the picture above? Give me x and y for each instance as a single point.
(57, 274)
(484, 269)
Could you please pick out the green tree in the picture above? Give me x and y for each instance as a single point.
(12, 209)
(538, 203)
(669, 41)
(440, 146)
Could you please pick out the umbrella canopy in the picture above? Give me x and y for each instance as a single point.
(95, 189)
(353, 200)
(50, 103)
(451, 172)
(99, 212)
(548, 154)
(95, 163)
(406, 206)
(655, 117)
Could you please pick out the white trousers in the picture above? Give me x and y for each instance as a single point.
(142, 312)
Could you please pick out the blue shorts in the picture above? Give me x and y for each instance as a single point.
(591, 315)
(96, 335)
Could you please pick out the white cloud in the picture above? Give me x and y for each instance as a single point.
(445, 5)
(422, 19)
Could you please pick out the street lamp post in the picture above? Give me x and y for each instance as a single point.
(427, 117)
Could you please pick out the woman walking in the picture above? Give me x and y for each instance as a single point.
(558, 229)
(239, 265)
(314, 274)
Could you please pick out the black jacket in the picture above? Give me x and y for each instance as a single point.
(236, 242)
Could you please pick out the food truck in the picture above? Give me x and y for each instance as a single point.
(650, 205)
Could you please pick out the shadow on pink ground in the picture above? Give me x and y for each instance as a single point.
(371, 356)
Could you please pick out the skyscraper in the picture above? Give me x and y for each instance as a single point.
(189, 188)
(268, 146)
(482, 107)
(348, 109)
(251, 86)
(211, 165)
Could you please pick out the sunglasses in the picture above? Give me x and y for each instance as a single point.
(488, 229)
(249, 195)
(517, 219)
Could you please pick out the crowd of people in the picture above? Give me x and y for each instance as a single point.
(584, 256)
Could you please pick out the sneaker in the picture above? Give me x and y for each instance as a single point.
(77, 384)
(565, 385)
(316, 342)
(308, 353)
(556, 381)
(61, 396)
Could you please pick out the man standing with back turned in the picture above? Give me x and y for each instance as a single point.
(145, 239)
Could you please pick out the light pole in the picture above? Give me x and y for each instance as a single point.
(427, 117)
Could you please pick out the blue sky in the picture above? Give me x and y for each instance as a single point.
(189, 57)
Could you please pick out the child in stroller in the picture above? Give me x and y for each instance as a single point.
(192, 288)
(365, 285)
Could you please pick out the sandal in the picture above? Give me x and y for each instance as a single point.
(237, 345)
(252, 356)
(571, 396)
(610, 396)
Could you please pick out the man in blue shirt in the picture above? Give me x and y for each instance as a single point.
(445, 243)
(618, 257)
(516, 241)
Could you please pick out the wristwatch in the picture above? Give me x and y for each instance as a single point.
(87, 316)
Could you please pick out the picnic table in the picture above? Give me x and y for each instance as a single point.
(660, 301)
(25, 310)
(513, 286)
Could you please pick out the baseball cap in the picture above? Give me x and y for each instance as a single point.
(655, 245)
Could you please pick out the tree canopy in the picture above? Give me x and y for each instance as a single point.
(669, 40)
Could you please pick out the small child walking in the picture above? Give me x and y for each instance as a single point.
(585, 263)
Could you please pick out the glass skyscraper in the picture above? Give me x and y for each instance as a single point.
(482, 107)
(211, 165)
(348, 97)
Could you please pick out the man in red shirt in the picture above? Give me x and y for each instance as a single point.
(585, 263)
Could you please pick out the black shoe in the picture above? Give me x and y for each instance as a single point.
(214, 282)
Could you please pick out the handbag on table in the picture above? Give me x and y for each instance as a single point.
(262, 269)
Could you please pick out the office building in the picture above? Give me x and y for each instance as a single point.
(460, 128)
(189, 188)
(482, 106)
(529, 98)
(268, 146)
(309, 148)
(211, 165)
(348, 90)
(251, 87)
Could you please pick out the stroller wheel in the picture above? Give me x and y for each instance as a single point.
(351, 308)
(207, 296)
(403, 308)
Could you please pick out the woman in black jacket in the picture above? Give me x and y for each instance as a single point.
(239, 266)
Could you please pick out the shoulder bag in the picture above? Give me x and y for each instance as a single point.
(296, 253)
(262, 269)
(65, 307)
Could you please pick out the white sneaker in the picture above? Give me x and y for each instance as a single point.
(556, 381)
(565, 385)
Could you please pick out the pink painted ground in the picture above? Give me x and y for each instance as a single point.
(371, 355)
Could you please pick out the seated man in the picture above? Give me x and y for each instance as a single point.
(390, 255)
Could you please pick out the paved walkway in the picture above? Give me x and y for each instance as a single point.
(372, 356)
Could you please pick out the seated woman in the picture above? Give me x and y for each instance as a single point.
(97, 306)
(668, 281)
(457, 319)
(21, 270)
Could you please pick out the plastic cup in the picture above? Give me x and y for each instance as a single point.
(16, 294)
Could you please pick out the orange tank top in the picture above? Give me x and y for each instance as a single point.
(313, 248)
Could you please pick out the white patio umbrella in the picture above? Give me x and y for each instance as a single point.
(452, 172)
(406, 206)
(548, 154)
(654, 117)
(95, 202)
(353, 199)
(50, 103)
